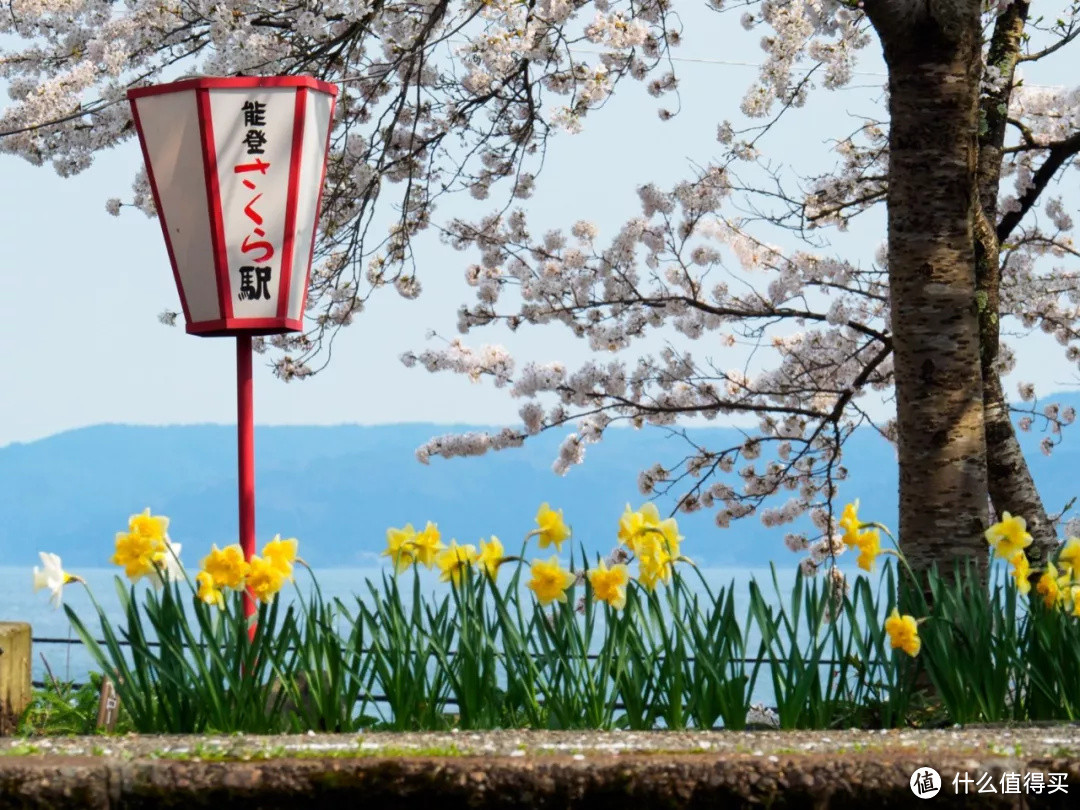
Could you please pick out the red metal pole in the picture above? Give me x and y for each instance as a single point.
(245, 442)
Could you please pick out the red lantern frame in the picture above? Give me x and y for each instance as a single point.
(227, 323)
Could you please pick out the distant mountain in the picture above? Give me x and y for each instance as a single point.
(337, 489)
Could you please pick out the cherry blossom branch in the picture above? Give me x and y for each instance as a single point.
(1059, 153)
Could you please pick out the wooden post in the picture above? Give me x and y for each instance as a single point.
(108, 705)
(15, 679)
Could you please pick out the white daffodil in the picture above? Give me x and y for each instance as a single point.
(52, 576)
(170, 568)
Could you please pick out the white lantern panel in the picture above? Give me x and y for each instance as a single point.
(253, 142)
(319, 108)
(170, 130)
(237, 168)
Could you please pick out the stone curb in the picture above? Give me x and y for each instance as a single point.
(537, 770)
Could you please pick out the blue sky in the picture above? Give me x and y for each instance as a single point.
(82, 290)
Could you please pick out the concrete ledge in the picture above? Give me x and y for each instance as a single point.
(851, 769)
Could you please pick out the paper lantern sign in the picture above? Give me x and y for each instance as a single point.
(236, 167)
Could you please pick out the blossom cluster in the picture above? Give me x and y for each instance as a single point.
(492, 78)
(806, 406)
(444, 98)
(825, 320)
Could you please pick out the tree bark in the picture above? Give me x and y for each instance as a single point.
(933, 53)
(1010, 484)
(1009, 480)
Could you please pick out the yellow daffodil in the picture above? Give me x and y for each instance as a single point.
(1074, 599)
(1067, 599)
(903, 633)
(491, 556)
(144, 524)
(641, 523)
(609, 584)
(849, 524)
(265, 579)
(654, 561)
(52, 576)
(869, 545)
(426, 544)
(207, 592)
(1065, 578)
(652, 575)
(227, 567)
(1069, 557)
(138, 554)
(281, 554)
(1008, 536)
(632, 525)
(553, 529)
(549, 581)
(669, 533)
(638, 530)
(143, 550)
(1021, 571)
(399, 547)
(454, 561)
(650, 514)
(1049, 586)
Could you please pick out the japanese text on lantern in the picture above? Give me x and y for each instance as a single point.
(255, 277)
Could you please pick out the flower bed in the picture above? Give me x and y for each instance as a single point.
(586, 646)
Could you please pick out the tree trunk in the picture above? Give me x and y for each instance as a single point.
(933, 53)
(1009, 480)
(1011, 487)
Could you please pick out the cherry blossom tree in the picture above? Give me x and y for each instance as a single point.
(448, 96)
(926, 320)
